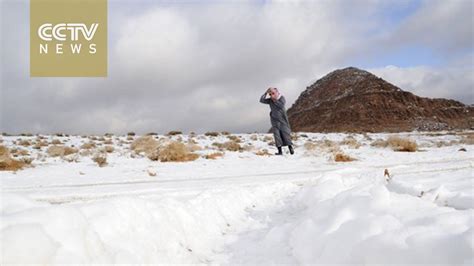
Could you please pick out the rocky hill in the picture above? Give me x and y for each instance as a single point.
(354, 100)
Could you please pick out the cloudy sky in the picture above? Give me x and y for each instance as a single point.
(202, 65)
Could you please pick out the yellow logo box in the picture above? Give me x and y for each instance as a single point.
(68, 38)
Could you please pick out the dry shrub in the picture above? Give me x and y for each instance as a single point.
(351, 142)
(234, 138)
(60, 150)
(145, 144)
(214, 155)
(129, 137)
(396, 143)
(193, 147)
(248, 147)
(467, 139)
(88, 145)
(174, 132)
(310, 145)
(366, 136)
(225, 133)
(100, 159)
(443, 143)
(401, 144)
(56, 142)
(341, 157)
(7, 163)
(87, 152)
(108, 141)
(232, 146)
(211, 134)
(229, 145)
(109, 135)
(379, 143)
(268, 138)
(329, 145)
(131, 134)
(19, 152)
(263, 152)
(176, 152)
(24, 142)
(108, 149)
(192, 141)
(254, 137)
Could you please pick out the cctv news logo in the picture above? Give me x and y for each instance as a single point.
(62, 31)
(68, 38)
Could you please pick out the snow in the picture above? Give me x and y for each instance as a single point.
(243, 208)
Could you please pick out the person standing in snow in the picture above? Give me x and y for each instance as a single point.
(278, 118)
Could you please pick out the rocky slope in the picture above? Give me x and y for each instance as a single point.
(355, 100)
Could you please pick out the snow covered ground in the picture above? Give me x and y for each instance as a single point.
(244, 208)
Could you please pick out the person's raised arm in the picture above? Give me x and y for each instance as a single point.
(264, 98)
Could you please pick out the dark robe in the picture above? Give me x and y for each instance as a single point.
(280, 126)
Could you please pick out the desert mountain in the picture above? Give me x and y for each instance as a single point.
(355, 100)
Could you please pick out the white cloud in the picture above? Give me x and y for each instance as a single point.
(203, 67)
(447, 82)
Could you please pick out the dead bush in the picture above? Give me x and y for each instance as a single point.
(60, 150)
(174, 132)
(24, 142)
(229, 145)
(234, 138)
(225, 133)
(100, 159)
(341, 157)
(39, 144)
(401, 144)
(193, 147)
(108, 142)
(263, 152)
(145, 144)
(268, 138)
(176, 152)
(351, 142)
(88, 145)
(7, 163)
(467, 139)
(19, 152)
(254, 137)
(379, 143)
(211, 134)
(108, 149)
(310, 145)
(56, 142)
(214, 155)
(131, 134)
(396, 143)
(192, 141)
